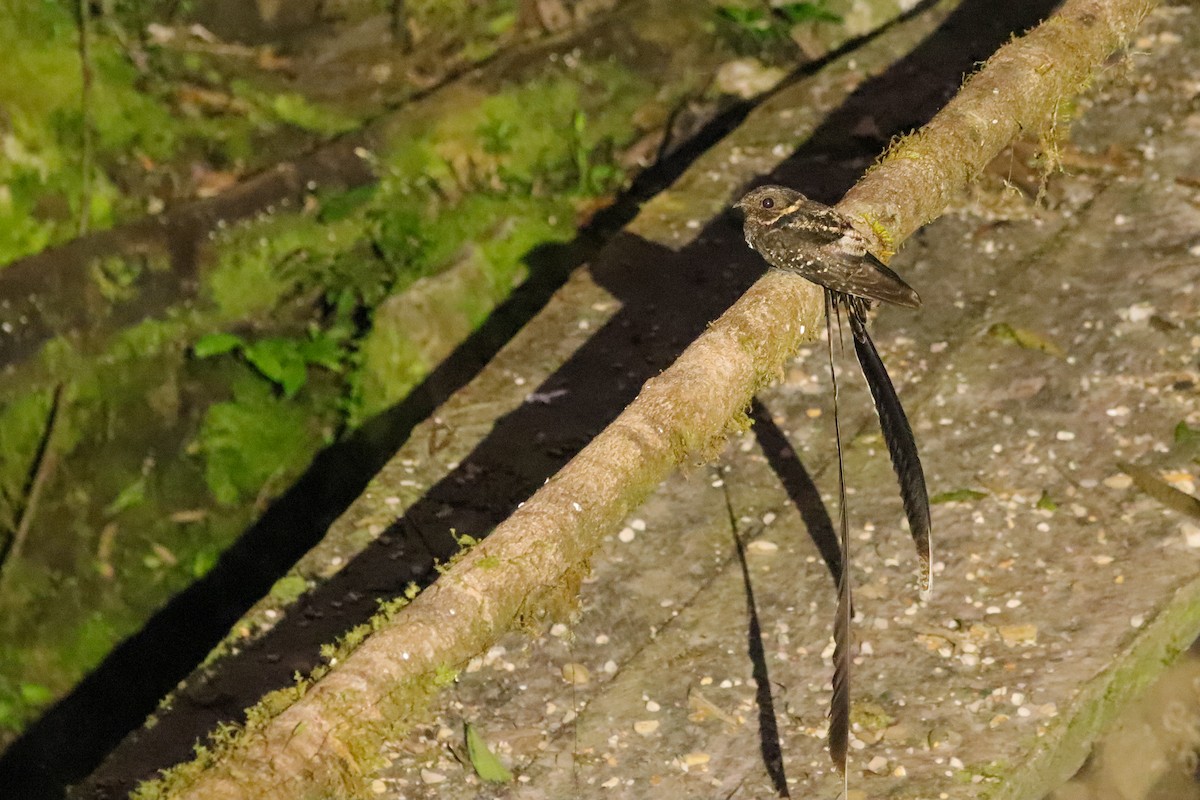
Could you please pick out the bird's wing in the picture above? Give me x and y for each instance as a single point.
(866, 276)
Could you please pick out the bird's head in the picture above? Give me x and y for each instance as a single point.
(766, 203)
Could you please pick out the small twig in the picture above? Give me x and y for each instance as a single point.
(43, 464)
(85, 67)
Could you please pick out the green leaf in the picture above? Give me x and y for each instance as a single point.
(502, 23)
(1185, 434)
(215, 344)
(132, 495)
(323, 351)
(36, 694)
(204, 561)
(1046, 503)
(295, 109)
(337, 207)
(1025, 338)
(750, 18)
(958, 496)
(280, 361)
(486, 765)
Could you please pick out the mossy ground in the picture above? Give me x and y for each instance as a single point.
(166, 123)
(171, 442)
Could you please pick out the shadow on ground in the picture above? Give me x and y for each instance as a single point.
(667, 298)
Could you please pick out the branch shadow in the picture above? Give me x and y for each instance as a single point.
(800, 487)
(768, 726)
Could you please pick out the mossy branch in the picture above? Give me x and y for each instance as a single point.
(1020, 89)
(325, 742)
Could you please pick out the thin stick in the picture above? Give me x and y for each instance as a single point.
(43, 465)
(85, 107)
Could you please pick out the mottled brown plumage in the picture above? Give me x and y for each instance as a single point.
(795, 234)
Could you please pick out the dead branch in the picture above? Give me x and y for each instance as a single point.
(326, 741)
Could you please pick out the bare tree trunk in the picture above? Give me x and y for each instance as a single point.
(324, 742)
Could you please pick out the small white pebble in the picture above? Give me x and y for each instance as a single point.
(652, 706)
(627, 535)
(1137, 620)
(611, 783)
(763, 547)
(638, 524)
(1191, 534)
(645, 727)
(1064, 436)
(1118, 481)
(429, 776)
(602, 638)
(768, 518)
(1140, 312)
(576, 674)
(878, 765)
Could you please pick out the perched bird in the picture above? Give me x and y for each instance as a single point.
(795, 234)
(798, 235)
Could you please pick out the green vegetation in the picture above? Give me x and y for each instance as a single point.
(753, 27)
(483, 760)
(194, 421)
(152, 110)
(958, 496)
(1027, 339)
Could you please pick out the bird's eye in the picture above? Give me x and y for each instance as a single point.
(768, 203)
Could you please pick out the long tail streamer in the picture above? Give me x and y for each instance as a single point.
(839, 708)
(901, 444)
